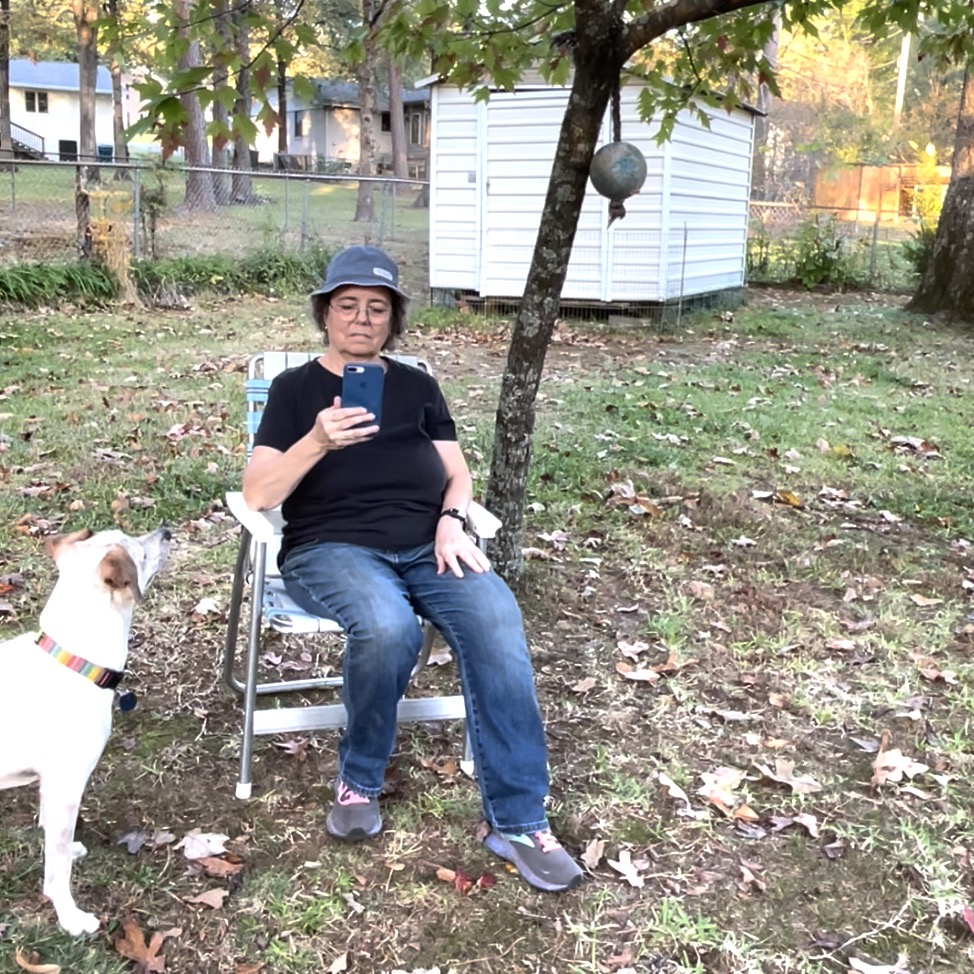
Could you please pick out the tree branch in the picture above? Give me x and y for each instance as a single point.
(643, 30)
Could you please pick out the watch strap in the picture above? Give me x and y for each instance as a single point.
(455, 513)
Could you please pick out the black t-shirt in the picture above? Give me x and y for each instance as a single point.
(385, 493)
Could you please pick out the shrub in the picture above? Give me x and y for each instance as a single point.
(824, 255)
(34, 285)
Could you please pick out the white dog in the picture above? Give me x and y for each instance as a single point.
(56, 694)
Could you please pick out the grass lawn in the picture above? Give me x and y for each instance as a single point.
(748, 595)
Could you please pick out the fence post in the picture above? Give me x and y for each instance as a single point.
(683, 277)
(13, 188)
(137, 212)
(304, 216)
(872, 252)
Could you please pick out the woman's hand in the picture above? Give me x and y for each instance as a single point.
(336, 427)
(453, 545)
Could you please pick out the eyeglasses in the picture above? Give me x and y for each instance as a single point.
(350, 310)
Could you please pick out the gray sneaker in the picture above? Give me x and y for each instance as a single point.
(353, 817)
(539, 858)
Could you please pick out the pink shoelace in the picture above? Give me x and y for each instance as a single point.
(546, 841)
(348, 797)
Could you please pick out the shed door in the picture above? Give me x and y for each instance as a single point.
(520, 137)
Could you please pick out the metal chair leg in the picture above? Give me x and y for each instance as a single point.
(250, 693)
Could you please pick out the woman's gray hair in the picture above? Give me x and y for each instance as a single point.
(397, 320)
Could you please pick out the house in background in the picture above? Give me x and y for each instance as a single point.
(684, 234)
(323, 134)
(45, 111)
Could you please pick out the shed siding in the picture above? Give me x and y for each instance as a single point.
(454, 182)
(684, 233)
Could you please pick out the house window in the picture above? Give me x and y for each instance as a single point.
(299, 122)
(416, 129)
(386, 122)
(35, 101)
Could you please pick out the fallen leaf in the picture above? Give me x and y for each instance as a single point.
(784, 773)
(640, 673)
(213, 898)
(924, 601)
(583, 686)
(132, 945)
(627, 868)
(592, 855)
(198, 845)
(33, 966)
(891, 764)
(339, 964)
(718, 787)
(219, 868)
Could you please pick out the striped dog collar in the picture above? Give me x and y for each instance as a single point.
(99, 675)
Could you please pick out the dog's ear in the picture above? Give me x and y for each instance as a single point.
(118, 572)
(56, 543)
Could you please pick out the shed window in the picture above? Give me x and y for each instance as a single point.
(386, 122)
(299, 121)
(35, 101)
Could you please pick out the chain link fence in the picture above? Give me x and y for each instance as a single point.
(157, 211)
(793, 242)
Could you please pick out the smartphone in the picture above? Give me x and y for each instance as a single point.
(362, 386)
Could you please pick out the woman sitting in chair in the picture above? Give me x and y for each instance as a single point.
(375, 508)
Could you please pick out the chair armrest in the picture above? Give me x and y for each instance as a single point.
(483, 524)
(264, 526)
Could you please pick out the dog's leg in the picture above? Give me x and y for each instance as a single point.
(59, 815)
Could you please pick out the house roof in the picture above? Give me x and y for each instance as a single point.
(344, 94)
(54, 76)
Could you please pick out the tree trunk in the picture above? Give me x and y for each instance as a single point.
(199, 185)
(242, 185)
(282, 106)
(364, 206)
(397, 121)
(221, 155)
(86, 175)
(761, 188)
(948, 284)
(511, 457)
(121, 150)
(6, 145)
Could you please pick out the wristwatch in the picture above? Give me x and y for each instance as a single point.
(455, 513)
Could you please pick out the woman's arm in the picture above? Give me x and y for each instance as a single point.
(271, 474)
(453, 545)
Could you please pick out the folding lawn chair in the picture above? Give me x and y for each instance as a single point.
(256, 580)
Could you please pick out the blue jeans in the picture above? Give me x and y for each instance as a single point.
(375, 596)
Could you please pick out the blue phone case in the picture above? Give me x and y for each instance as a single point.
(362, 386)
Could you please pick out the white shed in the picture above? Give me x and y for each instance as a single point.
(684, 234)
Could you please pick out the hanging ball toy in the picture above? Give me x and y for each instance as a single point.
(618, 170)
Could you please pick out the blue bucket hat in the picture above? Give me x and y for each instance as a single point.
(364, 267)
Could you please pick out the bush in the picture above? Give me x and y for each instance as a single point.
(919, 248)
(824, 255)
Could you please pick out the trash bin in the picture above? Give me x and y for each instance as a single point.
(106, 153)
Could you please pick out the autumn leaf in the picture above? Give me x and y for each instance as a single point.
(593, 853)
(213, 898)
(784, 773)
(891, 764)
(638, 673)
(219, 868)
(32, 966)
(627, 868)
(132, 945)
(339, 964)
(198, 845)
(718, 787)
(583, 686)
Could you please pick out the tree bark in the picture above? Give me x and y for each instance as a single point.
(282, 106)
(121, 150)
(242, 186)
(948, 284)
(199, 185)
(364, 205)
(397, 121)
(86, 174)
(6, 144)
(221, 154)
(596, 71)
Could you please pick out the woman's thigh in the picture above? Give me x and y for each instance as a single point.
(356, 587)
